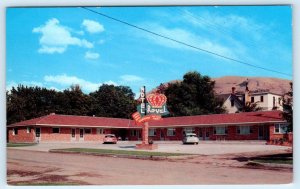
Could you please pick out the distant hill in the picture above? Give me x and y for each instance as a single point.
(224, 84)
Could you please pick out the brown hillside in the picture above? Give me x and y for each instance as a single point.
(224, 84)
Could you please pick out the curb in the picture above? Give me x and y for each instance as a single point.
(143, 157)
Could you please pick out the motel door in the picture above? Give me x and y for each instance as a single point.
(204, 133)
(200, 134)
(207, 134)
(73, 134)
(37, 134)
(81, 133)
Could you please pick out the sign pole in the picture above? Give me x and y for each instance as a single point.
(146, 125)
(145, 133)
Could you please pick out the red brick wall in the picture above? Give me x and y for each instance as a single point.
(65, 135)
(277, 136)
(233, 135)
(22, 135)
(48, 136)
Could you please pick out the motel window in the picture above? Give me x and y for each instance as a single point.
(15, 131)
(171, 132)
(252, 99)
(244, 130)
(55, 130)
(87, 131)
(220, 130)
(100, 131)
(261, 98)
(189, 130)
(280, 128)
(274, 100)
(28, 130)
(152, 132)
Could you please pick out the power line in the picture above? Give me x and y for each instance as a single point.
(183, 43)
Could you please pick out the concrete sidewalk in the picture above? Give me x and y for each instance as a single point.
(204, 147)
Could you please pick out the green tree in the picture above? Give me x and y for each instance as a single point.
(193, 96)
(29, 102)
(288, 108)
(113, 101)
(250, 107)
(74, 102)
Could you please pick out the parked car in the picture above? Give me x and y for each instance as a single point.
(190, 138)
(110, 138)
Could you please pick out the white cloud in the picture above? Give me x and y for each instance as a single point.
(91, 55)
(55, 38)
(92, 26)
(111, 83)
(131, 78)
(66, 81)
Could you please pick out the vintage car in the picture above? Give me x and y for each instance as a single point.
(110, 138)
(190, 138)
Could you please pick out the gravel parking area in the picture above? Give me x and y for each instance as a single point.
(204, 147)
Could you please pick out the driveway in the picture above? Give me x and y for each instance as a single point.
(204, 147)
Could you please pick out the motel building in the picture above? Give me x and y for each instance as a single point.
(264, 125)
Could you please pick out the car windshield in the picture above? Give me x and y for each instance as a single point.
(191, 135)
(109, 136)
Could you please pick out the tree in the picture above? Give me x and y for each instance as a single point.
(250, 107)
(193, 96)
(113, 101)
(74, 102)
(29, 102)
(288, 108)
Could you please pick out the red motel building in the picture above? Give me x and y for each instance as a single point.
(264, 125)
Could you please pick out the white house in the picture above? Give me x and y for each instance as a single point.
(234, 102)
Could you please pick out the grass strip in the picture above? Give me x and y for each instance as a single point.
(19, 144)
(275, 161)
(45, 184)
(118, 152)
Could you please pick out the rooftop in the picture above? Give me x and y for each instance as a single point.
(213, 119)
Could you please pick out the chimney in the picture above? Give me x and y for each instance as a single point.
(247, 97)
(233, 90)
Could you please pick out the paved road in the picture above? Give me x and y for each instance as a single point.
(36, 166)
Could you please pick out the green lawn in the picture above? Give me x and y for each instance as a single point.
(19, 144)
(277, 161)
(117, 152)
(284, 158)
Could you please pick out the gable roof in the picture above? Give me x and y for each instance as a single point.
(222, 119)
(200, 120)
(76, 121)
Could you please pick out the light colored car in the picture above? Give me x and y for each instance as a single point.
(110, 138)
(190, 138)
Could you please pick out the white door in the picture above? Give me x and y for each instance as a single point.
(81, 134)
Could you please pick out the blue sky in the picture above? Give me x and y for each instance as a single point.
(58, 47)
